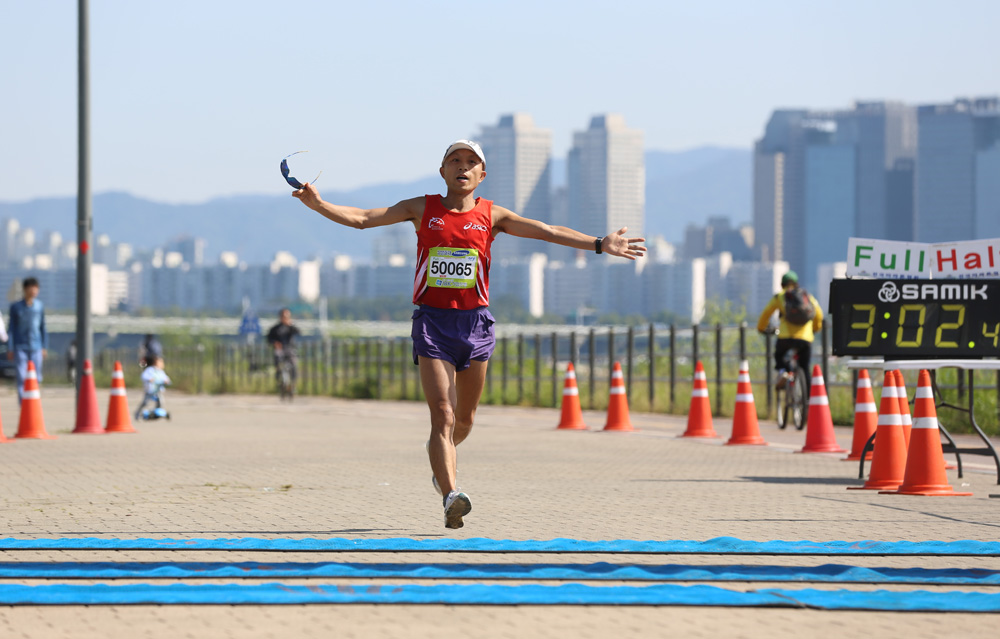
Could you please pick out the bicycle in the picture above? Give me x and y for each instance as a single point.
(795, 392)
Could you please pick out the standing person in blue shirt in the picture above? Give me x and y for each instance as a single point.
(28, 337)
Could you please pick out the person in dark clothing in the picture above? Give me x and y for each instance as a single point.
(28, 339)
(281, 337)
(149, 350)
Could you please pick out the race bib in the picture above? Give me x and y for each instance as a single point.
(452, 268)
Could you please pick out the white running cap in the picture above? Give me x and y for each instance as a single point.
(465, 144)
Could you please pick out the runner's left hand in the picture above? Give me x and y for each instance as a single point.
(617, 244)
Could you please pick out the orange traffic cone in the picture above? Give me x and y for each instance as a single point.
(119, 419)
(745, 428)
(889, 457)
(904, 407)
(32, 423)
(618, 418)
(88, 420)
(572, 417)
(819, 425)
(865, 417)
(924, 474)
(904, 410)
(700, 414)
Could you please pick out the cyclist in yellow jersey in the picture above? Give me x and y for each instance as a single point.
(790, 335)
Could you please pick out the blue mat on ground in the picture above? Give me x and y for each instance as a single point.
(716, 546)
(828, 573)
(477, 594)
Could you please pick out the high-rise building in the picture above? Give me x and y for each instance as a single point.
(777, 185)
(518, 174)
(988, 192)
(882, 134)
(831, 201)
(957, 162)
(822, 176)
(607, 177)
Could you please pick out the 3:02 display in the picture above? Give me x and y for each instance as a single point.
(911, 323)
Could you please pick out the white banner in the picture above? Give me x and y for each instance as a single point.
(976, 258)
(886, 259)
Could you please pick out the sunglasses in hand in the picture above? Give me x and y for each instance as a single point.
(293, 182)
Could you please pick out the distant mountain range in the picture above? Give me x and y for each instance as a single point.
(682, 188)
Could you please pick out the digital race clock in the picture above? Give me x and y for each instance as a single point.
(955, 319)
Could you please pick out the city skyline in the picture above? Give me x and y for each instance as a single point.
(208, 112)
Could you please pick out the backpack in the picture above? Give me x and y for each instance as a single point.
(799, 307)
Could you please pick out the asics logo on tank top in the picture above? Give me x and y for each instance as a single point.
(435, 224)
(476, 227)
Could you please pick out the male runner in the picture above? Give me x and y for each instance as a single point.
(453, 334)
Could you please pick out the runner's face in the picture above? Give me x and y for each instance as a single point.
(463, 170)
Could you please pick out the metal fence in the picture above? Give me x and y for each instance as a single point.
(528, 369)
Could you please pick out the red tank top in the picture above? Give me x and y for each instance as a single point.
(453, 256)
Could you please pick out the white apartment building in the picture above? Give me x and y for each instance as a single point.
(569, 288)
(676, 287)
(522, 280)
(751, 284)
(57, 287)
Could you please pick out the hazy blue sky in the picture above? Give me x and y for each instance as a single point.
(197, 99)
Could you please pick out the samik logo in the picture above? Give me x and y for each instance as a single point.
(942, 291)
(476, 227)
(888, 293)
(435, 224)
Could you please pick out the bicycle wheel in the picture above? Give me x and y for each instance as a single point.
(800, 401)
(781, 401)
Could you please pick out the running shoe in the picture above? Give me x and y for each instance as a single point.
(456, 506)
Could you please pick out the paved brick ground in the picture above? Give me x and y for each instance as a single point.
(249, 466)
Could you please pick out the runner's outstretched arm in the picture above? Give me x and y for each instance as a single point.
(407, 210)
(613, 244)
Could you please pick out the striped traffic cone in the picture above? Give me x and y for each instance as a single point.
(700, 414)
(924, 474)
(618, 418)
(88, 420)
(746, 431)
(119, 419)
(31, 425)
(572, 416)
(904, 410)
(889, 457)
(819, 424)
(904, 407)
(865, 417)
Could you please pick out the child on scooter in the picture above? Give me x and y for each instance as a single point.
(154, 379)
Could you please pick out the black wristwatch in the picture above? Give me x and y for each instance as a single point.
(597, 245)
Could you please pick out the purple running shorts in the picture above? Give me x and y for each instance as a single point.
(453, 335)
